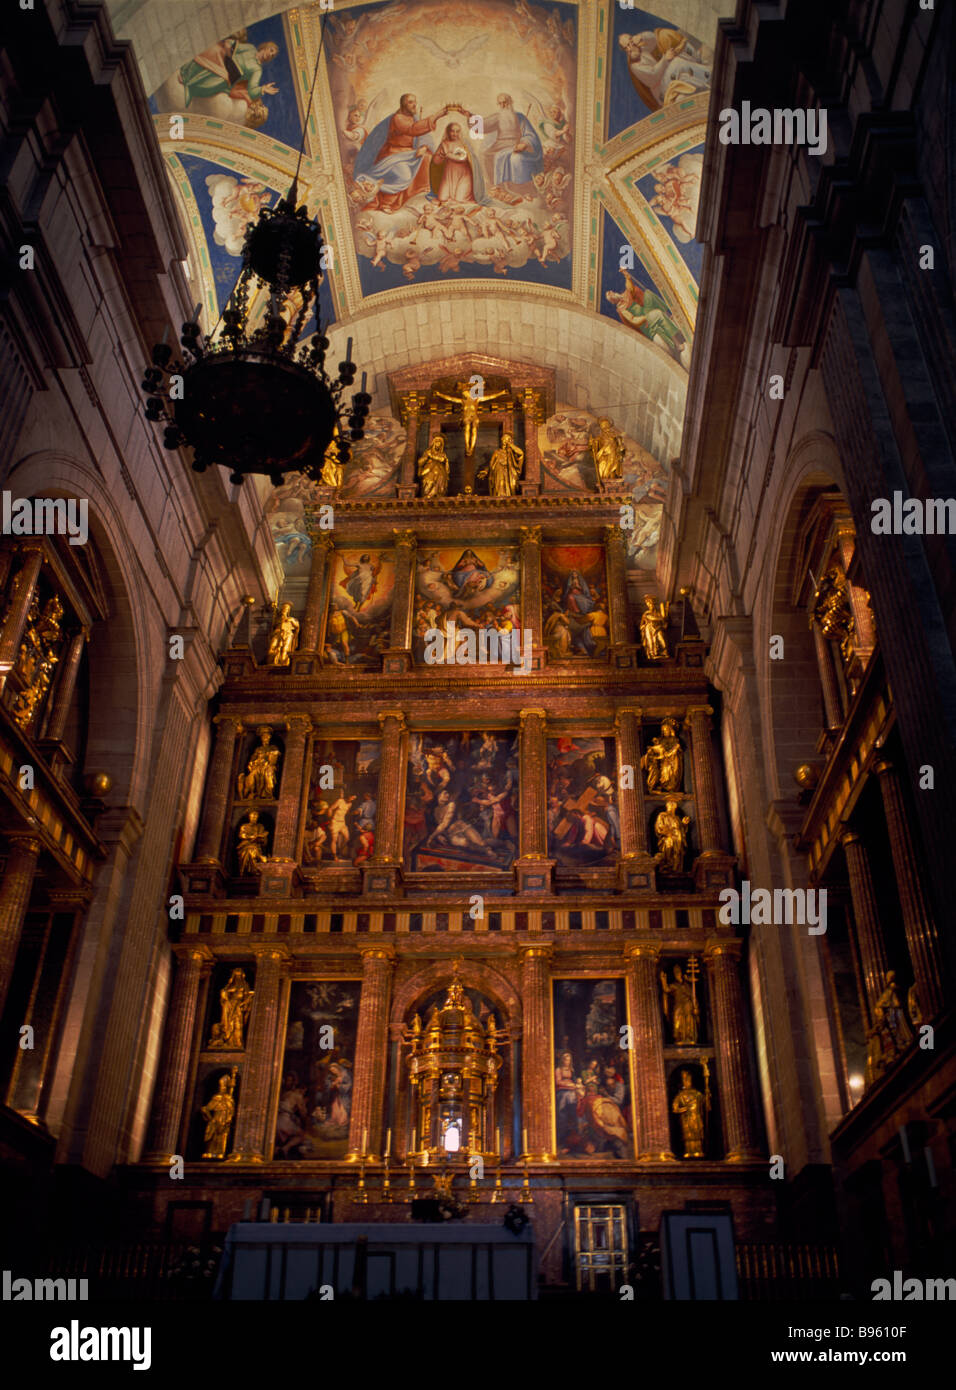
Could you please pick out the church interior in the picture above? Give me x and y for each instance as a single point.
(478, 716)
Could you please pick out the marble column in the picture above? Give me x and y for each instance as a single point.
(533, 867)
(251, 1143)
(537, 1097)
(284, 843)
(650, 1082)
(633, 814)
(15, 618)
(531, 410)
(832, 704)
(63, 695)
(371, 1052)
(734, 1079)
(870, 942)
(413, 404)
(388, 819)
(315, 595)
(531, 584)
(398, 658)
(14, 899)
(919, 924)
(616, 551)
(212, 827)
(166, 1125)
(705, 793)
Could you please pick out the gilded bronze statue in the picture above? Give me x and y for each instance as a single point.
(654, 628)
(285, 637)
(470, 407)
(607, 450)
(251, 840)
(259, 779)
(218, 1114)
(663, 763)
(690, 1106)
(671, 831)
(433, 468)
(504, 468)
(681, 1008)
(235, 1005)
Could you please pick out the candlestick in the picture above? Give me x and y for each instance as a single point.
(498, 1148)
(388, 1143)
(524, 1140)
(414, 1140)
(364, 377)
(348, 351)
(365, 1140)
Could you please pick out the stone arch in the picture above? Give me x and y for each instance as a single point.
(473, 974)
(119, 710)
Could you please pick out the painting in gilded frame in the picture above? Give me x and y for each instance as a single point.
(318, 1064)
(592, 1089)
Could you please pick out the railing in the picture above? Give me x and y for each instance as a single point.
(772, 1272)
(152, 1270)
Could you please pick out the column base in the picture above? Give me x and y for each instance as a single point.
(533, 875)
(245, 1158)
(381, 880)
(396, 661)
(635, 873)
(623, 655)
(665, 1156)
(714, 869)
(206, 878)
(744, 1156)
(305, 664)
(278, 878)
(406, 492)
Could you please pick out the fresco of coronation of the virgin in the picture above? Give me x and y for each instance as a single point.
(592, 1090)
(476, 589)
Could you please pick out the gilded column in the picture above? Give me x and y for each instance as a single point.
(918, 923)
(708, 822)
(531, 409)
(284, 844)
(627, 723)
(388, 819)
(69, 670)
(413, 403)
(15, 618)
(650, 1082)
(537, 1081)
(733, 1066)
(398, 658)
(14, 900)
(616, 550)
(251, 1143)
(211, 828)
(869, 932)
(371, 1053)
(315, 595)
(531, 584)
(167, 1118)
(832, 705)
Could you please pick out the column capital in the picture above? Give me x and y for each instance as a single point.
(849, 837)
(642, 949)
(322, 538)
(634, 710)
(411, 403)
(704, 710)
(386, 953)
(385, 715)
(405, 538)
(300, 722)
(264, 953)
(530, 535)
(200, 954)
(729, 946)
(882, 766)
(613, 535)
(24, 842)
(224, 719)
(524, 714)
(542, 950)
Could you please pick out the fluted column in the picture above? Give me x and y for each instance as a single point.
(733, 1064)
(531, 410)
(918, 923)
(388, 820)
(627, 723)
(14, 900)
(211, 828)
(537, 1080)
(705, 794)
(315, 595)
(870, 941)
(413, 403)
(15, 618)
(251, 1143)
(616, 550)
(371, 1052)
(63, 696)
(398, 658)
(650, 1082)
(533, 821)
(167, 1117)
(832, 705)
(298, 727)
(531, 614)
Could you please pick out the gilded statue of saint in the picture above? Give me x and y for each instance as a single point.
(889, 1020)
(690, 1107)
(433, 468)
(39, 654)
(504, 468)
(671, 831)
(218, 1114)
(607, 450)
(250, 844)
(663, 763)
(470, 406)
(333, 466)
(285, 637)
(681, 1008)
(259, 779)
(654, 628)
(831, 611)
(235, 1005)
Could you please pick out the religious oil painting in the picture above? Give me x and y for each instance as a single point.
(461, 589)
(318, 1064)
(574, 601)
(461, 801)
(592, 1088)
(583, 823)
(360, 607)
(343, 791)
(654, 66)
(456, 130)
